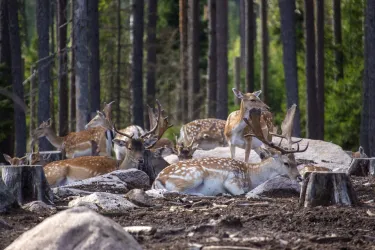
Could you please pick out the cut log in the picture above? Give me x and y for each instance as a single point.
(327, 188)
(7, 200)
(27, 183)
(362, 167)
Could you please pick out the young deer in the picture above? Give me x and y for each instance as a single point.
(186, 152)
(212, 176)
(15, 161)
(207, 133)
(235, 127)
(33, 159)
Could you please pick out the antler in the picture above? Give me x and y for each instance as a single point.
(151, 121)
(129, 136)
(256, 128)
(107, 110)
(155, 122)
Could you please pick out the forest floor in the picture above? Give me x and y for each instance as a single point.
(186, 222)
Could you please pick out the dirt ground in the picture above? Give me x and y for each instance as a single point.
(186, 222)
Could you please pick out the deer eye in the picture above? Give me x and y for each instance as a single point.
(253, 100)
(286, 164)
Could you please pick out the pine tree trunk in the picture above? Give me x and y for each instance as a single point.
(182, 99)
(320, 65)
(211, 84)
(339, 56)
(237, 77)
(312, 103)
(72, 90)
(52, 51)
(370, 73)
(62, 71)
(117, 87)
(242, 8)
(137, 61)
(249, 33)
(193, 59)
(265, 44)
(288, 37)
(93, 40)
(81, 65)
(222, 59)
(44, 67)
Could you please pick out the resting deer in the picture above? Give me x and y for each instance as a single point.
(359, 154)
(75, 144)
(207, 133)
(212, 176)
(235, 127)
(185, 152)
(33, 159)
(15, 161)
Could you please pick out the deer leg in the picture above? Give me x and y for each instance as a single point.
(234, 186)
(248, 149)
(232, 151)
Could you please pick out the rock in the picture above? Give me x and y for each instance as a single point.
(140, 230)
(40, 208)
(134, 178)
(156, 193)
(76, 228)
(275, 184)
(104, 202)
(6, 197)
(139, 198)
(4, 225)
(225, 152)
(63, 192)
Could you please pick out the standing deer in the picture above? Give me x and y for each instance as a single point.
(235, 127)
(207, 133)
(212, 176)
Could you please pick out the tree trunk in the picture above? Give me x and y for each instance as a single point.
(32, 104)
(116, 90)
(211, 84)
(82, 64)
(237, 77)
(72, 90)
(370, 73)
(151, 52)
(312, 103)
(52, 51)
(94, 73)
(15, 47)
(193, 59)
(137, 60)
(44, 79)
(8, 201)
(265, 44)
(222, 59)
(242, 7)
(7, 144)
(62, 71)
(183, 101)
(249, 33)
(327, 188)
(288, 37)
(339, 56)
(27, 183)
(320, 65)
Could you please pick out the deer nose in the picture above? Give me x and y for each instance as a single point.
(141, 161)
(299, 178)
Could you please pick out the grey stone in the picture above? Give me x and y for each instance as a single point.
(40, 208)
(76, 228)
(274, 184)
(139, 197)
(63, 192)
(7, 200)
(134, 178)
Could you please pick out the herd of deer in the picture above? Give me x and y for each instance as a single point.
(89, 152)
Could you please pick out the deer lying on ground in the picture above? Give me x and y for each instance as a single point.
(75, 144)
(212, 176)
(33, 159)
(235, 127)
(207, 133)
(359, 154)
(185, 152)
(15, 161)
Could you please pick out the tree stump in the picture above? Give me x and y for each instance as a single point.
(27, 183)
(362, 167)
(327, 188)
(7, 199)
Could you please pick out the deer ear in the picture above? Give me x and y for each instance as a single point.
(7, 158)
(121, 143)
(257, 93)
(150, 142)
(237, 93)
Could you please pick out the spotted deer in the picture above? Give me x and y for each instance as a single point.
(185, 152)
(235, 127)
(212, 176)
(75, 144)
(32, 159)
(207, 133)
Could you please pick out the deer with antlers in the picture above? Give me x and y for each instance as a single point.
(236, 128)
(212, 176)
(207, 133)
(185, 152)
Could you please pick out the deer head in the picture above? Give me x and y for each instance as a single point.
(102, 119)
(250, 100)
(42, 130)
(185, 152)
(15, 161)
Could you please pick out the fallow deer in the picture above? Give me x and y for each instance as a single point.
(235, 127)
(15, 161)
(32, 159)
(212, 176)
(75, 144)
(185, 152)
(359, 154)
(207, 133)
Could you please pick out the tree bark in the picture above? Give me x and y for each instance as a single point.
(44, 68)
(137, 60)
(237, 77)
(320, 65)
(81, 65)
(72, 90)
(117, 88)
(183, 100)
(370, 73)
(8, 201)
(265, 44)
(288, 38)
(193, 59)
(52, 51)
(312, 103)
(62, 71)
(222, 59)
(249, 33)
(211, 84)
(32, 104)
(339, 56)
(242, 7)
(93, 31)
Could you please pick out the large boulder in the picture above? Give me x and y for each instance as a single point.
(76, 228)
(104, 203)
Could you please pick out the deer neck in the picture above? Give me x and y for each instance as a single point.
(261, 172)
(128, 161)
(55, 140)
